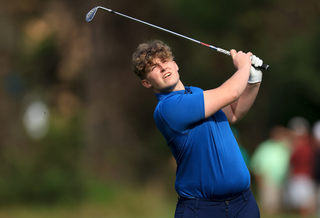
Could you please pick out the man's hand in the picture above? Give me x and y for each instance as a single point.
(255, 73)
(240, 59)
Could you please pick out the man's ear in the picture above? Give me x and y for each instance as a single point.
(146, 83)
(177, 67)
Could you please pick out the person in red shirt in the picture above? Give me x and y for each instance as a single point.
(301, 184)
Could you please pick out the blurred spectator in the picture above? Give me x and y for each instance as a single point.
(269, 164)
(301, 185)
(316, 142)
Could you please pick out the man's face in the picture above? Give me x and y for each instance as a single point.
(163, 76)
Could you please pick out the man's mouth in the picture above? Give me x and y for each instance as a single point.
(166, 75)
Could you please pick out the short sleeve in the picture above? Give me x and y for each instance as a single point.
(182, 111)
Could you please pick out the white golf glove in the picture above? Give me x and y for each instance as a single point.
(255, 73)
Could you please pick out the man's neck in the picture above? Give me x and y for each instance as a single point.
(178, 87)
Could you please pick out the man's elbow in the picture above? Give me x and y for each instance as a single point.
(233, 120)
(234, 94)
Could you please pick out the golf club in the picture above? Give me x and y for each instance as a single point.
(90, 15)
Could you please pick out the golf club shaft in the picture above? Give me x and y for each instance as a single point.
(93, 11)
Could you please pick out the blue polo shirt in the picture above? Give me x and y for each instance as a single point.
(209, 161)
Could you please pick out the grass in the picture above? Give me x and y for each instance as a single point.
(111, 201)
(89, 210)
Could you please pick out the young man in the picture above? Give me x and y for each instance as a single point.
(212, 179)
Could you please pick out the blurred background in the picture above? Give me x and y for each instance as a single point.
(77, 136)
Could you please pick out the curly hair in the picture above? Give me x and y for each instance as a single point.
(144, 56)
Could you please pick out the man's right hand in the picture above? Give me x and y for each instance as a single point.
(241, 59)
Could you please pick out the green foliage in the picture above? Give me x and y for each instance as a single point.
(49, 172)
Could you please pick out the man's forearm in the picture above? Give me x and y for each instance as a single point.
(242, 105)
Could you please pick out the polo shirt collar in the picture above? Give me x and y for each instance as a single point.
(162, 95)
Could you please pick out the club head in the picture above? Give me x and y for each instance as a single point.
(91, 13)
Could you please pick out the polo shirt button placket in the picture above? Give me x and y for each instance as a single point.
(226, 203)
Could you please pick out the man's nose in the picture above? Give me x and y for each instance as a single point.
(162, 68)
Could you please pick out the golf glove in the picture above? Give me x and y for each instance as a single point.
(255, 73)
